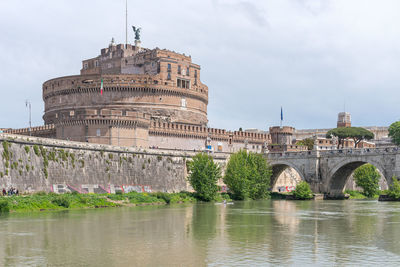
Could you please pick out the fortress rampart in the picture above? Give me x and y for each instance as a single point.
(174, 136)
(36, 164)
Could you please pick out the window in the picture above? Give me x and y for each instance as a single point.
(183, 102)
(187, 71)
(96, 63)
(179, 69)
(98, 132)
(195, 73)
(169, 76)
(85, 66)
(183, 83)
(169, 67)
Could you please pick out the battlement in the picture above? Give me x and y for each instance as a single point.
(281, 130)
(47, 131)
(204, 132)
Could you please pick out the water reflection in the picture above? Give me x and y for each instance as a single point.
(246, 233)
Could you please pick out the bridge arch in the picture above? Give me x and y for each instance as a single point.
(341, 172)
(278, 167)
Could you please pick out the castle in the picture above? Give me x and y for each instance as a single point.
(134, 96)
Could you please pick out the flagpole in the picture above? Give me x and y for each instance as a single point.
(126, 23)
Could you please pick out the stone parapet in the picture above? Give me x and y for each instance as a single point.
(47, 131)
(194, 131)
(120, 82)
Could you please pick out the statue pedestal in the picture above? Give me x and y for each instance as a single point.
(138, 44)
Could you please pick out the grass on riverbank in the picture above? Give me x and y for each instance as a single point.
(42, 201)
(354, 194)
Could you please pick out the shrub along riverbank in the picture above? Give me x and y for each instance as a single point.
(44, 202)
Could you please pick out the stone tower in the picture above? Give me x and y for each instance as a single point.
(344, 119)
(123, 91)
(281, 135)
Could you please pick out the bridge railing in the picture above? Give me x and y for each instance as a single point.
(311, 153)
(360, 151)
(344, 151)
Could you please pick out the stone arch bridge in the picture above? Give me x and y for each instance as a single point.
(328, 171)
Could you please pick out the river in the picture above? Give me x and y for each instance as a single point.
(254, 233)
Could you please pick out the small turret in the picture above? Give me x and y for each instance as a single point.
(344, 120)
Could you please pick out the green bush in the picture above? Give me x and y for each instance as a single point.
(354, 194)
(248, 176)
(303, 191)
(164, 196)
(367, 177)
(26, 149)
(394, 132)
(117, 196)
(204, 175)
(4, 206)
(135, 197)
(61, 201)
(394, 189)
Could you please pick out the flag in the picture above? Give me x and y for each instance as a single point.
(101, 87)
(281, 114)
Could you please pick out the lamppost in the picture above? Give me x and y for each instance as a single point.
(28, 105)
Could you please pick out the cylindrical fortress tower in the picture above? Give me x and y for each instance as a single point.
(281, 135)
(139, 86)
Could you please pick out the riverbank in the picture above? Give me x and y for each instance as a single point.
(348, 194)
(53, 202)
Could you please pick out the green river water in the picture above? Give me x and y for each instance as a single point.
(257, 233)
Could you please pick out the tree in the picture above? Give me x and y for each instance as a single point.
(394, 189)
(394, 132)
(308, 142)
(204, 175)
(248, 176)
(367, 177)
(303, 191)
(356, 133)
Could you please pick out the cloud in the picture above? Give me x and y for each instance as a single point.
(309, 56)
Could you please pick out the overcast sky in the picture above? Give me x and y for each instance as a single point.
(313, 57)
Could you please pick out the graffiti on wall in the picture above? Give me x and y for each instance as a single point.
(288, 188)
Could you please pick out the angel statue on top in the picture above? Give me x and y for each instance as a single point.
(137, 32)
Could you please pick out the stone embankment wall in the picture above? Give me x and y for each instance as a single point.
(33, 164)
